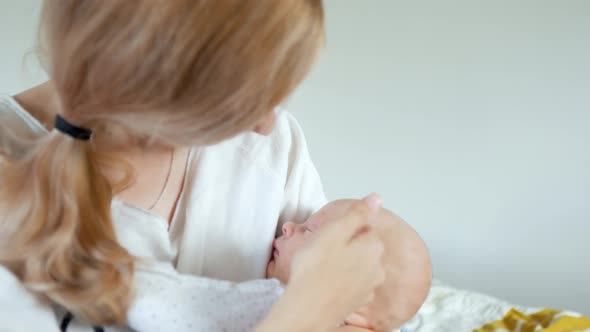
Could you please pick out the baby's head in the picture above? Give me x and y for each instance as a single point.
(406, 262)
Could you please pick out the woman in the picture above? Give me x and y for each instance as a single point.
(138, 149)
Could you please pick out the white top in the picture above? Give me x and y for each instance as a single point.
(236, 195)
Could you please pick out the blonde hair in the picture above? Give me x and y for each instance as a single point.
(180, 72)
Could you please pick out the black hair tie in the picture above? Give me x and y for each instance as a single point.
(65, 322)
(63, 126)
(67, 319)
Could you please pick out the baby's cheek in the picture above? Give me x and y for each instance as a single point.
(282, 269)
(285, 259)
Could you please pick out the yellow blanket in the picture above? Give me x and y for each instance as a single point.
(543, 321)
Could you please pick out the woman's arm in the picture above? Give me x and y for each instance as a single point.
(292, 313)
(297, 322)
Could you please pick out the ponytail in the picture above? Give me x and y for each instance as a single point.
(56, 230)
(209, 70)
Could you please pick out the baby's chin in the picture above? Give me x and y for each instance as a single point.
(274, 271)
(271, 269)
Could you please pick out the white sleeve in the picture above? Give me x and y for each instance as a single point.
(21, 310)
(304, 193)
(168, 301)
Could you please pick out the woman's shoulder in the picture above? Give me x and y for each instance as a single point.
(275, 151)
(17, 119)
(17, 127)
(288, 133)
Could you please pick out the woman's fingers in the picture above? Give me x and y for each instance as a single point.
(374, 201)
(369, 244)
(369, 249)
(354, 223)
(381, 276)
(345, 255)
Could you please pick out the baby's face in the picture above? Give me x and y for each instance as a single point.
(294, 237)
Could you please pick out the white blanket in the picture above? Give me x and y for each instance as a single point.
(452, 310)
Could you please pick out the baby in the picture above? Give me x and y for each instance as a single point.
(406, 262)
(169, 301)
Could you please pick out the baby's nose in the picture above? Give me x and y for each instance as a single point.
(288, 229)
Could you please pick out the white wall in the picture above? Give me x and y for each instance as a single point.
(470, 117)
(19, 68)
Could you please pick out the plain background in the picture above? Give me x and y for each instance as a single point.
(471, 118)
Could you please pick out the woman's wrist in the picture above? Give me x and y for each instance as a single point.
(294, 312)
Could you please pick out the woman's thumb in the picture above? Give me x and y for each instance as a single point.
(374, 201)
(358, 217)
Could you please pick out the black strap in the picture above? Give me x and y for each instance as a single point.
(65, 322)
(69, 129)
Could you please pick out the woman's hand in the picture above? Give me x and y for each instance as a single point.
(340, 269)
